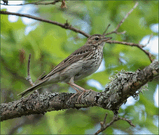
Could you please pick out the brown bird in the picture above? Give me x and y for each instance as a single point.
(80, 64)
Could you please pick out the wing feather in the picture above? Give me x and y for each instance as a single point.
(74, 57)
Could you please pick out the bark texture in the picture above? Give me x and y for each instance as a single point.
(124, 85)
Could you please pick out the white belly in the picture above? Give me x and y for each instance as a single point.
(90, 66)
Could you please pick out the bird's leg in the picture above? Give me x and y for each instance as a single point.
(83, 90)
(73, 86)
(70, 83)
(76, 87)
(79, 87)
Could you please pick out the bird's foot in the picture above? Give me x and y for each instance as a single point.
(73, 96)
(82, 94)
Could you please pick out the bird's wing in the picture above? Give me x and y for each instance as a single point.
(74, 57)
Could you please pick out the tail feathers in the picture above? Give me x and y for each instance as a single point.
(31, 89)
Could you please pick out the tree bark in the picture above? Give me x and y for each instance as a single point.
(124, 85)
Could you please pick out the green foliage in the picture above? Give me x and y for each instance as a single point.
(50, 44)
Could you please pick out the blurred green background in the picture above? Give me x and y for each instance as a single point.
(50, 44)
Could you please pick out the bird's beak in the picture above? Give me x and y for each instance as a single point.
(106, 39)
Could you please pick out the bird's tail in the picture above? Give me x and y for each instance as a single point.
(39, 85)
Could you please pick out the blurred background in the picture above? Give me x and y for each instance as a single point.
(50, 44)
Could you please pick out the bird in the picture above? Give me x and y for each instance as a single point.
(80, 64)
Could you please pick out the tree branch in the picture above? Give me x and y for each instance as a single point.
(65, 25)
(133, 44)
(29, 77)
(104, 127)
(68, 26)
(125, 84)
(35, 3)
(121, 22)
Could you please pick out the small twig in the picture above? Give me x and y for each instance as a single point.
(67, 26)
(147, 53)
(149, 40)
(115, 118)
(124, 43)
(132, 44)
(120, 33)
(129, 121)
(102, 124)
(47, 21)
(35, 3)
(105, 127)
(121, 22)
(106, 29)
(104, 121)
(29, 77)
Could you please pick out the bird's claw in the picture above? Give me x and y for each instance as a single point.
(81, 93)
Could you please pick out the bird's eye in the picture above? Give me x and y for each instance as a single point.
(96, 38)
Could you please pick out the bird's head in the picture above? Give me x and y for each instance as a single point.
(97, 39)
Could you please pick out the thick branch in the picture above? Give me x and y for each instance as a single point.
(65, 25)
(117, 91)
